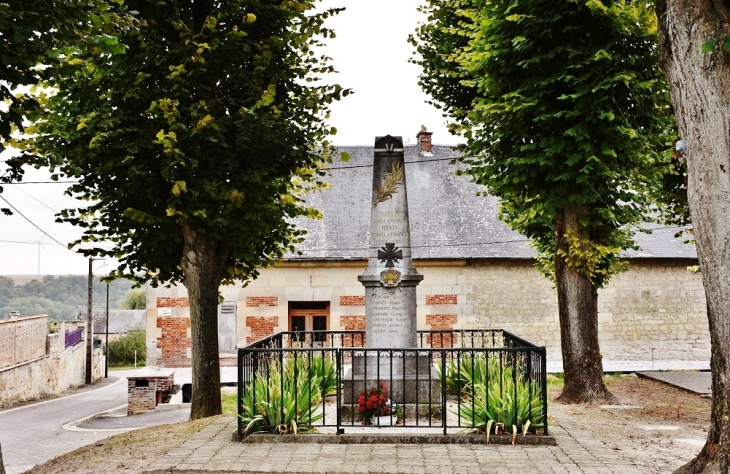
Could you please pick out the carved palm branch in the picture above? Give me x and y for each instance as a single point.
(390, 184)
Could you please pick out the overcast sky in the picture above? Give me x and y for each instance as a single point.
(371, 56)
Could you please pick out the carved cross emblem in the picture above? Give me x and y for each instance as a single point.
(389, 254)
(390, 277)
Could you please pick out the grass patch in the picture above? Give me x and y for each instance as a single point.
(229, 403)
(126, 367)
(555, 381)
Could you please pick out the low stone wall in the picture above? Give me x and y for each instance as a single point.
(22, 339)
(57, 370)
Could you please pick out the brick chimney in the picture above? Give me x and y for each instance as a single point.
(424, 141)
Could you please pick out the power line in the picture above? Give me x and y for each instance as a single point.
(45, 182)
(30, 242)
(36, 199)
(412, 162)
(33, 224)
(332, 168)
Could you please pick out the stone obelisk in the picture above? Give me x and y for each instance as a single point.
(390, 282)
(390, 279)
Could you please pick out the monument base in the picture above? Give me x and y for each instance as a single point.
(410, 411)
(409, 379)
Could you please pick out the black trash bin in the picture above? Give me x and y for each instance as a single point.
(187, 392)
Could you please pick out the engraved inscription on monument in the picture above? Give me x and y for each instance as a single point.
(390, 227)
(390, 312)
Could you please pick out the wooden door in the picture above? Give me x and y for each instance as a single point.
(309, 316)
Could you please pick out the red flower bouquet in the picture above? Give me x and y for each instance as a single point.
(374, 402)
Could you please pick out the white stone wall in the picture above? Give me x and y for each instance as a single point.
(655, 304)
(22, 339)
(60, 369)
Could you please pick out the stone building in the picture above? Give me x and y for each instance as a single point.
(478, 273)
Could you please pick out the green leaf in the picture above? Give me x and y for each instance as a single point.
(710, 45)
(179, 187)
(345, 157)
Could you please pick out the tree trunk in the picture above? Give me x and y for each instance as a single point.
(578, 311)
(700, 89)
(202, 264)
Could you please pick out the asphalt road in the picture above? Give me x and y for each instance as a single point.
(33, 434)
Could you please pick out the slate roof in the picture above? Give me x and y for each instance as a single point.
(120, 320)
(447, 218)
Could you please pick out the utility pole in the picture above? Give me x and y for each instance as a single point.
(106, 347)
(89, 328)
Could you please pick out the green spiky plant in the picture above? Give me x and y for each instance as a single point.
(462, 373)
(326, 369)
(286, 401)
(495, 393)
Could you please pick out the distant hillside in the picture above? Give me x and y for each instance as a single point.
(57, 297)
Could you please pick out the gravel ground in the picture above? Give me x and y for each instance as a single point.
(657, 428)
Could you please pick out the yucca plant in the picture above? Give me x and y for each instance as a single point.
(283, 401)
(466, 370)
(497, 393)
(326, 369)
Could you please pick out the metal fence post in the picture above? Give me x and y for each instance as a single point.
(543, 369)
(239, 402)
(443, 389)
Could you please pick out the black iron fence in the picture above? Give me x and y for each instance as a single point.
(482, 338)
(455, 380)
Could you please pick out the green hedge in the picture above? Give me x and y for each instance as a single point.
(121, 351)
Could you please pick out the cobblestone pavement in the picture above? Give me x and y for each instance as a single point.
(212, 450)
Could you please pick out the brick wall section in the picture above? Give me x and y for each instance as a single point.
(228, 362)
(165, 302)
(174, 342)
(352, 301)
(440, 299)
(144, 399)
(256, 301)
(353, 323)
(440, 322)
(260, 327)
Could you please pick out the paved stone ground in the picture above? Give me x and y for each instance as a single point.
(212, 450)
(697, 382)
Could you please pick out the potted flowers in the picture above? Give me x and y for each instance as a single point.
(374, 406)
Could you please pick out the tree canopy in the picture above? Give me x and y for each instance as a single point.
(31, 31)
(563, 106)
(203, 120)
(565, 112)
(193, 139)
(135, 298)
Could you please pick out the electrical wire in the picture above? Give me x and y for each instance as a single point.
(45, 182)
(32, 223)
(35, 199)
